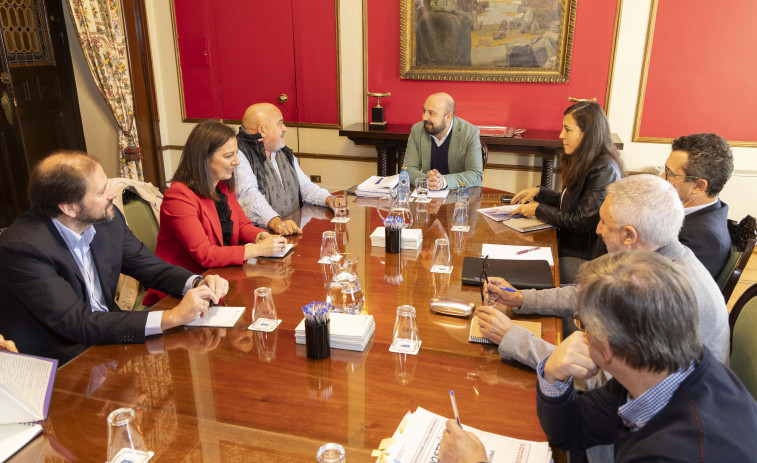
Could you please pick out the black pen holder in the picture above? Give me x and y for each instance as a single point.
(392, 240)
(317, 340)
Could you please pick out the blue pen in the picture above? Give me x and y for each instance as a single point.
(379, 180)
(507, 288)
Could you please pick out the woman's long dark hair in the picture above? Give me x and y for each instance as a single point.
(592, 121)
(205, 139)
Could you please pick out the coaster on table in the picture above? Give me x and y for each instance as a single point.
(400, 350)
(460, 229)
(441, 269)
(264, 324)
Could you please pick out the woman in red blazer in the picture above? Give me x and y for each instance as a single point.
(202, 224)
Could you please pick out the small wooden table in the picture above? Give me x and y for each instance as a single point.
(204, 394)
(391, 143)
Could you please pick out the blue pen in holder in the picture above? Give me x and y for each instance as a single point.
(317, 332)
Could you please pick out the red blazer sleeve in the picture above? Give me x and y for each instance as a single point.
(190, 232)
(244, 230)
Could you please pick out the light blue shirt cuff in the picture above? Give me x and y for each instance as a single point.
(556, 389)
(152, 327)
(188, 284)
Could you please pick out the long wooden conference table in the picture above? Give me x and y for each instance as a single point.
(234, 395)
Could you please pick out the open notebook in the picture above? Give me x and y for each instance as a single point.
(26, 386)
(477, 336)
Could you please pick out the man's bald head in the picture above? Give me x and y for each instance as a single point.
(442, 102)
(61, 178)
(267, 120)
(438, 111)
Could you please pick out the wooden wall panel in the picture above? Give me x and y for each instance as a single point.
(234, 53)
(702, 72)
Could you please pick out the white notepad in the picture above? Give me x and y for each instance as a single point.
(219, 317)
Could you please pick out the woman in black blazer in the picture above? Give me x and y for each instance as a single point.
(589, 163)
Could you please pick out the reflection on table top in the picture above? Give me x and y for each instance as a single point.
(237, 395)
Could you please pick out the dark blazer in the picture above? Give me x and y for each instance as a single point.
(705, 232)
(190, 233)
(44, 304)
(711, 417)
(575, 212)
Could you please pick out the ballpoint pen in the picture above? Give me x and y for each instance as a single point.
(454, 407)
(506, 288)
(527, 250)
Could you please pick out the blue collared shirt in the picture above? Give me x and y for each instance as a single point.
(635, 413)
(79, 247)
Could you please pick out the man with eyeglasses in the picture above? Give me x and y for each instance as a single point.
(698, 167)
(669, 399)
(640, 212)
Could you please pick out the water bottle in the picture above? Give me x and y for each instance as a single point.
(462, 194)
(403, 189)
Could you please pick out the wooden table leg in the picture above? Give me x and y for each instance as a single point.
(381, 161)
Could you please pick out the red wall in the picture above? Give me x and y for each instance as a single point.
(536, 106)
(702, 72)
(234, 53)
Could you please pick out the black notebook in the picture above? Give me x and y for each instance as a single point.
(522, 274)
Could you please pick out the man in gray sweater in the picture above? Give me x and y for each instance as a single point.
(639, 212)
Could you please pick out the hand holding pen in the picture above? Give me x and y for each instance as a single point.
(459, 445)
(499, 290)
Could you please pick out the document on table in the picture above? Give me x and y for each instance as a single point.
(499, 213)
(433, 194)
(505, 251)
(419, 442)
(279, 254)
(219, 317)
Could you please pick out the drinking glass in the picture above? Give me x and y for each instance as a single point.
(125, 442)
(340, 206)
(460, 217)
(405, 335)
(441, 258)
(421, 190)
(330, 453)
(264, 309)
(329, 248)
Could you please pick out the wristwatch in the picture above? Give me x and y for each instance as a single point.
(197, 281)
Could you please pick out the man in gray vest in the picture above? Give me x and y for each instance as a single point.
(443, 147)
(270, 183)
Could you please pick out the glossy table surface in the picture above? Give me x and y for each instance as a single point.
(209, 394)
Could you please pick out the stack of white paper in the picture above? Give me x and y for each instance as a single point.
(419, 438)
(349, 332)
(377, 187)
(410, 238)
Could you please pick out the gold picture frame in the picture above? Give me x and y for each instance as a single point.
(487, 40)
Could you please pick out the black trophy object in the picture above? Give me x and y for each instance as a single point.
(377, 112)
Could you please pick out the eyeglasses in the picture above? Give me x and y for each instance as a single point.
(578, 322)
(669, 175)
(483, 278)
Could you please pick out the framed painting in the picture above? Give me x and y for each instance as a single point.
(487, 40)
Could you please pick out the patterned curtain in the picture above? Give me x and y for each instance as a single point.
(99, 26)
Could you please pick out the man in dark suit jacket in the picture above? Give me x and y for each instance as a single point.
(61, 262)
(443, 147)
(698, 167)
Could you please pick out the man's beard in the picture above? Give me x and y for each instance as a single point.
(432, 129)
(88, 217)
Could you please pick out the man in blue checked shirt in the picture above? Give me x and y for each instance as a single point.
(669, 399)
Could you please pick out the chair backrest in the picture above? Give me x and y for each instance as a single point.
(743, 321)
(729, 276)
(484, 154)
(141, 220)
